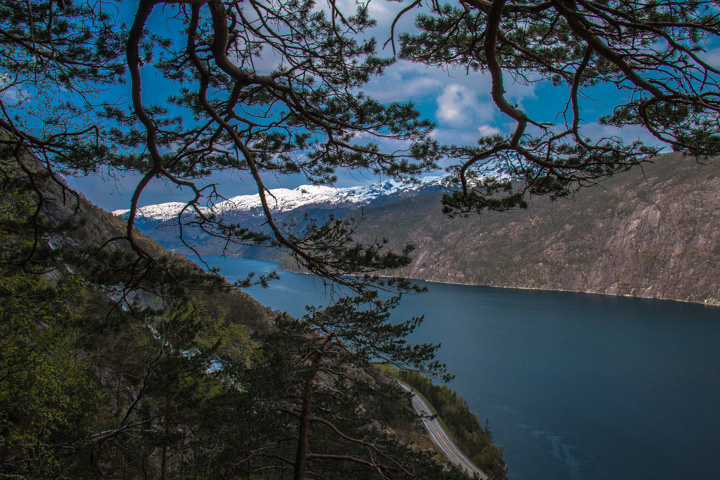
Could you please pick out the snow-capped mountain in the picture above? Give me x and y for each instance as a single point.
(288, 206)
(160, 212)
(287, 200)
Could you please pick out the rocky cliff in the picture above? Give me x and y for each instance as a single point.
(653, 232)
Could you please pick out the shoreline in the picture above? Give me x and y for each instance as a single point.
(708, 302)
(440, 436)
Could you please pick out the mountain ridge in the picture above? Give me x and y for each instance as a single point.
(289, 206)
(652, 232)
(284, 199)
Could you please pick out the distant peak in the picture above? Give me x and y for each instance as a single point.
(284, 199)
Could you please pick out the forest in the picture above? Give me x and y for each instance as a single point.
(122, 360)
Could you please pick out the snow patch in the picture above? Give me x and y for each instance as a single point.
(285, 199)
(161, 211)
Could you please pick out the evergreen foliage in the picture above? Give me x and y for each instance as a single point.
(308, 116)
(99, 379)
(654, 54)
(64, 66)
(113, 367)
(472, 438)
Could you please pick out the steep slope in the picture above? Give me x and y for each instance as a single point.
(652, 232)
(194, 390)
(91, 227)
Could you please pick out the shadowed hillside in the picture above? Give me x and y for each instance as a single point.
(116, 365)
(652, 232)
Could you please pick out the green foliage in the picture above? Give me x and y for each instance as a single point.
(655, 55)
(217, 112)
(317, 373)
(102, 376)
(130, 373)
(48, 394)
(86, 394)
(463, 425)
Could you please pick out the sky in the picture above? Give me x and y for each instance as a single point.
(458, 103)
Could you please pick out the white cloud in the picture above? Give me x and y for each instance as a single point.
(487, 130)
(712, 57)
(516, 92)
(268, 61)
(459, 98)
(458, 105)
(383, 12)
(453, 104)
(402, 82)
(455, 136)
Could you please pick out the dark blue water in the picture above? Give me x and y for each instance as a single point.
(577, 387)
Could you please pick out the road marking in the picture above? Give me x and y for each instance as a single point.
(438, 435)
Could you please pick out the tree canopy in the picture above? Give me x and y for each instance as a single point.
(184, 382)
(305, 116)
(76, 98)
(75, 76)
(649, 59)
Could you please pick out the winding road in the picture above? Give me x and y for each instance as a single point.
(441, 438)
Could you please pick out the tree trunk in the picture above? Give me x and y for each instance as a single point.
(304, 431)
(306, 413)
(164, 465)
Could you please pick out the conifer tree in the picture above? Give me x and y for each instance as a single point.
(651, 60)
(306, 116)
(65, 67)
(74, 99)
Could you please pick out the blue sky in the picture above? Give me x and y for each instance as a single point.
(460, 105)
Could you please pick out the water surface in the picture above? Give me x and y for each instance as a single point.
(575, 386)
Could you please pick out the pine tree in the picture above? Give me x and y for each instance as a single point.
(157, 391)
(655, 55)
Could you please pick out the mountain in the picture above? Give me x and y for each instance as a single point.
(85, 228)
(652, 232)
(320, 202)
(207, 378)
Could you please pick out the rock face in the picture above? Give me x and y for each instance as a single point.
(652, 232)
